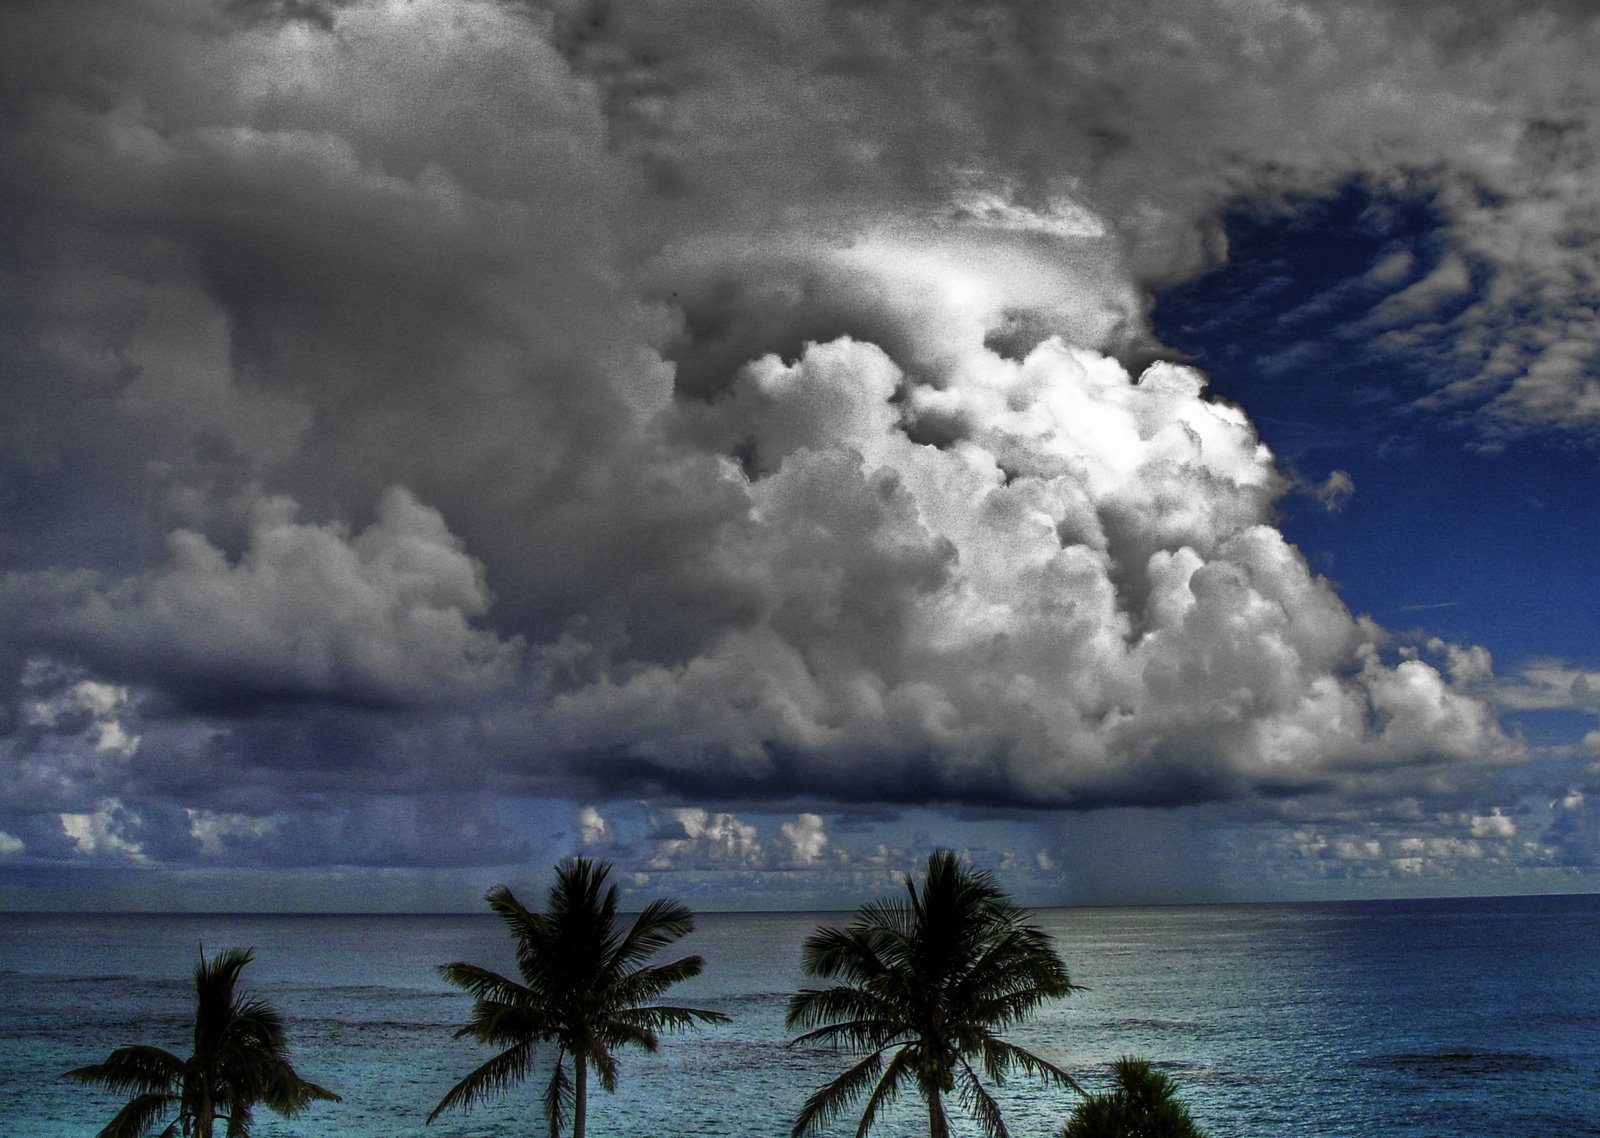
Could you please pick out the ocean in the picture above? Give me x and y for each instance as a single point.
(1433, 1019)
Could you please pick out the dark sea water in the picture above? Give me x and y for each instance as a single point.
(1445, 1019)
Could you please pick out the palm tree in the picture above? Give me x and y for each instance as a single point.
(585, 986)
(1143, 1105)
(240, 1060)
(928, 982)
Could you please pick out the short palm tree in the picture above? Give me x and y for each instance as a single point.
(585, 986)
(1144, 1104)
(925, 985)
(240, 1061)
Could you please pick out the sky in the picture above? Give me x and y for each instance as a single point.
(1147, 448)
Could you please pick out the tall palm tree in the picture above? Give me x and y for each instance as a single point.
(927, 982)
(1144, 1104)
(240, 1060)
(585, 987)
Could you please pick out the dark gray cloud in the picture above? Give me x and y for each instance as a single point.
(443, 399)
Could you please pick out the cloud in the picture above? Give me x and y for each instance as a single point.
(809, 118)
(1548, 684)
(803, 841)
(106, 832)
(692, 838)
(1574, 833)
(1448, 281)
(690, 835)
(1333, 492)
(594, 832)
(386, 614)
(1440, 845)
(718, 400)
(419, 829)
(1077, 598)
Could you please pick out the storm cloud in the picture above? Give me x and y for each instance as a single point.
(721, 402)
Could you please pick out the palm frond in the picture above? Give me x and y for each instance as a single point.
(999, 1057)
(488, 1079)
(659, 924)
(645, 983)
(980, 1103)
(559, 1096)
(500, 1025)
(139, 1116)
(858, 1035)
(826, 1104)
(214, 981)
(530, 932)
(855, 955)
(288, 1094)
(665, 1017)
(484, 984)
(239, 1124)
(887, 1090)
(811, 1006)
(134, 1070)
(598, 1055)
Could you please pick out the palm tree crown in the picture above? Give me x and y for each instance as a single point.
(585, 986)
(1144, 1104)
(240, 1060)
(925, 985)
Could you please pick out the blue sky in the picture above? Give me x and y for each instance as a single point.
(1482, 540)
(1150, 451)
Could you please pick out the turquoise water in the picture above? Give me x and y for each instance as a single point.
(1437, 1018)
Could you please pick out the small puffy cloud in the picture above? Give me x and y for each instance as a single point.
(1574, 833)
(1493, 825)
(1334, 492)
(594, 832)
(803, 841)
(693, 836)
(107, 832)
(220, 833)
(1403, 844)
(1465, 664)
(102, 705)
(10, 844)
(75, 741)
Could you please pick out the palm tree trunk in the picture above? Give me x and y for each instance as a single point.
(205, 1117)
(938, 1124)
(580, 1095)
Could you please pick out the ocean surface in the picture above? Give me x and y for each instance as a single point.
(1446, 1019)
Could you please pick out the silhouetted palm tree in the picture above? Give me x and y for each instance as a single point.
(585, 987)
(1143, 1105)
(927, 982)
(240, 1060)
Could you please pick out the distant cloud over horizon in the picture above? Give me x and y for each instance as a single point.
(420, 410)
